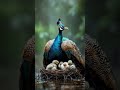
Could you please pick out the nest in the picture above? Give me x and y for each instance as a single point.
(60, 75)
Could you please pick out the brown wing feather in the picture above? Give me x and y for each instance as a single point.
(98, 62)
(48, 45)
(71, 46)
(46, 50)
(29, 50)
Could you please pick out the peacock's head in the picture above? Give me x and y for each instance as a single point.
(61, 25)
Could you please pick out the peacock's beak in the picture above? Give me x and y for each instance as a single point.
(66, 28)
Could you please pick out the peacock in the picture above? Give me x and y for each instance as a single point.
(62, 49)
(98, 72)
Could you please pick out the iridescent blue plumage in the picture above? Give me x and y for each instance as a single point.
(56, 51)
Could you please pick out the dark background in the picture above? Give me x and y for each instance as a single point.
(103, 23)
(16, 26)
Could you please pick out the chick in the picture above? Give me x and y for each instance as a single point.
(59, 66)
(50, 66)
(70, 62)
(54, 68)
(71, 65)
(53, 65)
(64, 66)
(55, 62)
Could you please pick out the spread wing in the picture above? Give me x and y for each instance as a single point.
(98, 69)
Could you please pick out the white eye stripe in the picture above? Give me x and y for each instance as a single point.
(61, 29)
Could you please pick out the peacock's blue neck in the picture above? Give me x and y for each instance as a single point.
(58, 40)
(56, 52)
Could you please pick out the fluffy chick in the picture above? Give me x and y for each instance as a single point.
(54, 68)
(59, 66)
(55, 62)
(53, 65)
(70, 62)
(71, 65)
(64, 66)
